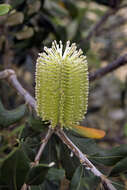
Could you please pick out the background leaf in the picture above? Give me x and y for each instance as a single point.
(76, 179)
(55, 174)
(110, 157)
(120, 167)
(36, 175)
(9, 117)
(4, 9)
(14, 168)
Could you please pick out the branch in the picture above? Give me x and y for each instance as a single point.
(11, 76)
(44, 142)
(102, 20)
(122, 6)
(113, 26)
(39, 153)
(84, 160)
(109, 68)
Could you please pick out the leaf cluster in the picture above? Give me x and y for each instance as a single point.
(67, 171)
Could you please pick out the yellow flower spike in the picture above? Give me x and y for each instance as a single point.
(62, 88)
(89, 132)
(62, 85)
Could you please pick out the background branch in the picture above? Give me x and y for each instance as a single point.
(111, 27)
(102, 20)
(97, 26)
(109, 68)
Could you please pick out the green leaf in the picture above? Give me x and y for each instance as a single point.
(4, 9)
(13, 169)
(68, 163)
(57, 10)
(53, 180)
(98, 12)
(72, 8)
(9, 117)
(120, 167)
(119, 185)
(37, 124)
(28, 132)
(16, 3)
(28, 150)
(47, 185)
(83, 179)
(18, 130)
(76, 179)
(55, 174)
(89, 182)
(37, 174)
(111, 156)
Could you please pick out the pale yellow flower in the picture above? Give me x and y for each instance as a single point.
(62, 85)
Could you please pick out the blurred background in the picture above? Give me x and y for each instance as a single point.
(99, 28)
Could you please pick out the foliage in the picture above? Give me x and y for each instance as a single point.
(10, 117)
(4, 9)
(26, 29)
(17, 162)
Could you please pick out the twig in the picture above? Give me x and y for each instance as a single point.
(11, 76)
(122, 6)
(112, 26)
(102, 20)
(109, 68)
(39, 153)
(83, 159)
(44, 142)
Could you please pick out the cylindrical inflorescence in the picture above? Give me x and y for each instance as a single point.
(62, 85)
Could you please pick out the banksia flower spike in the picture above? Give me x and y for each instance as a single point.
(62, 85)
